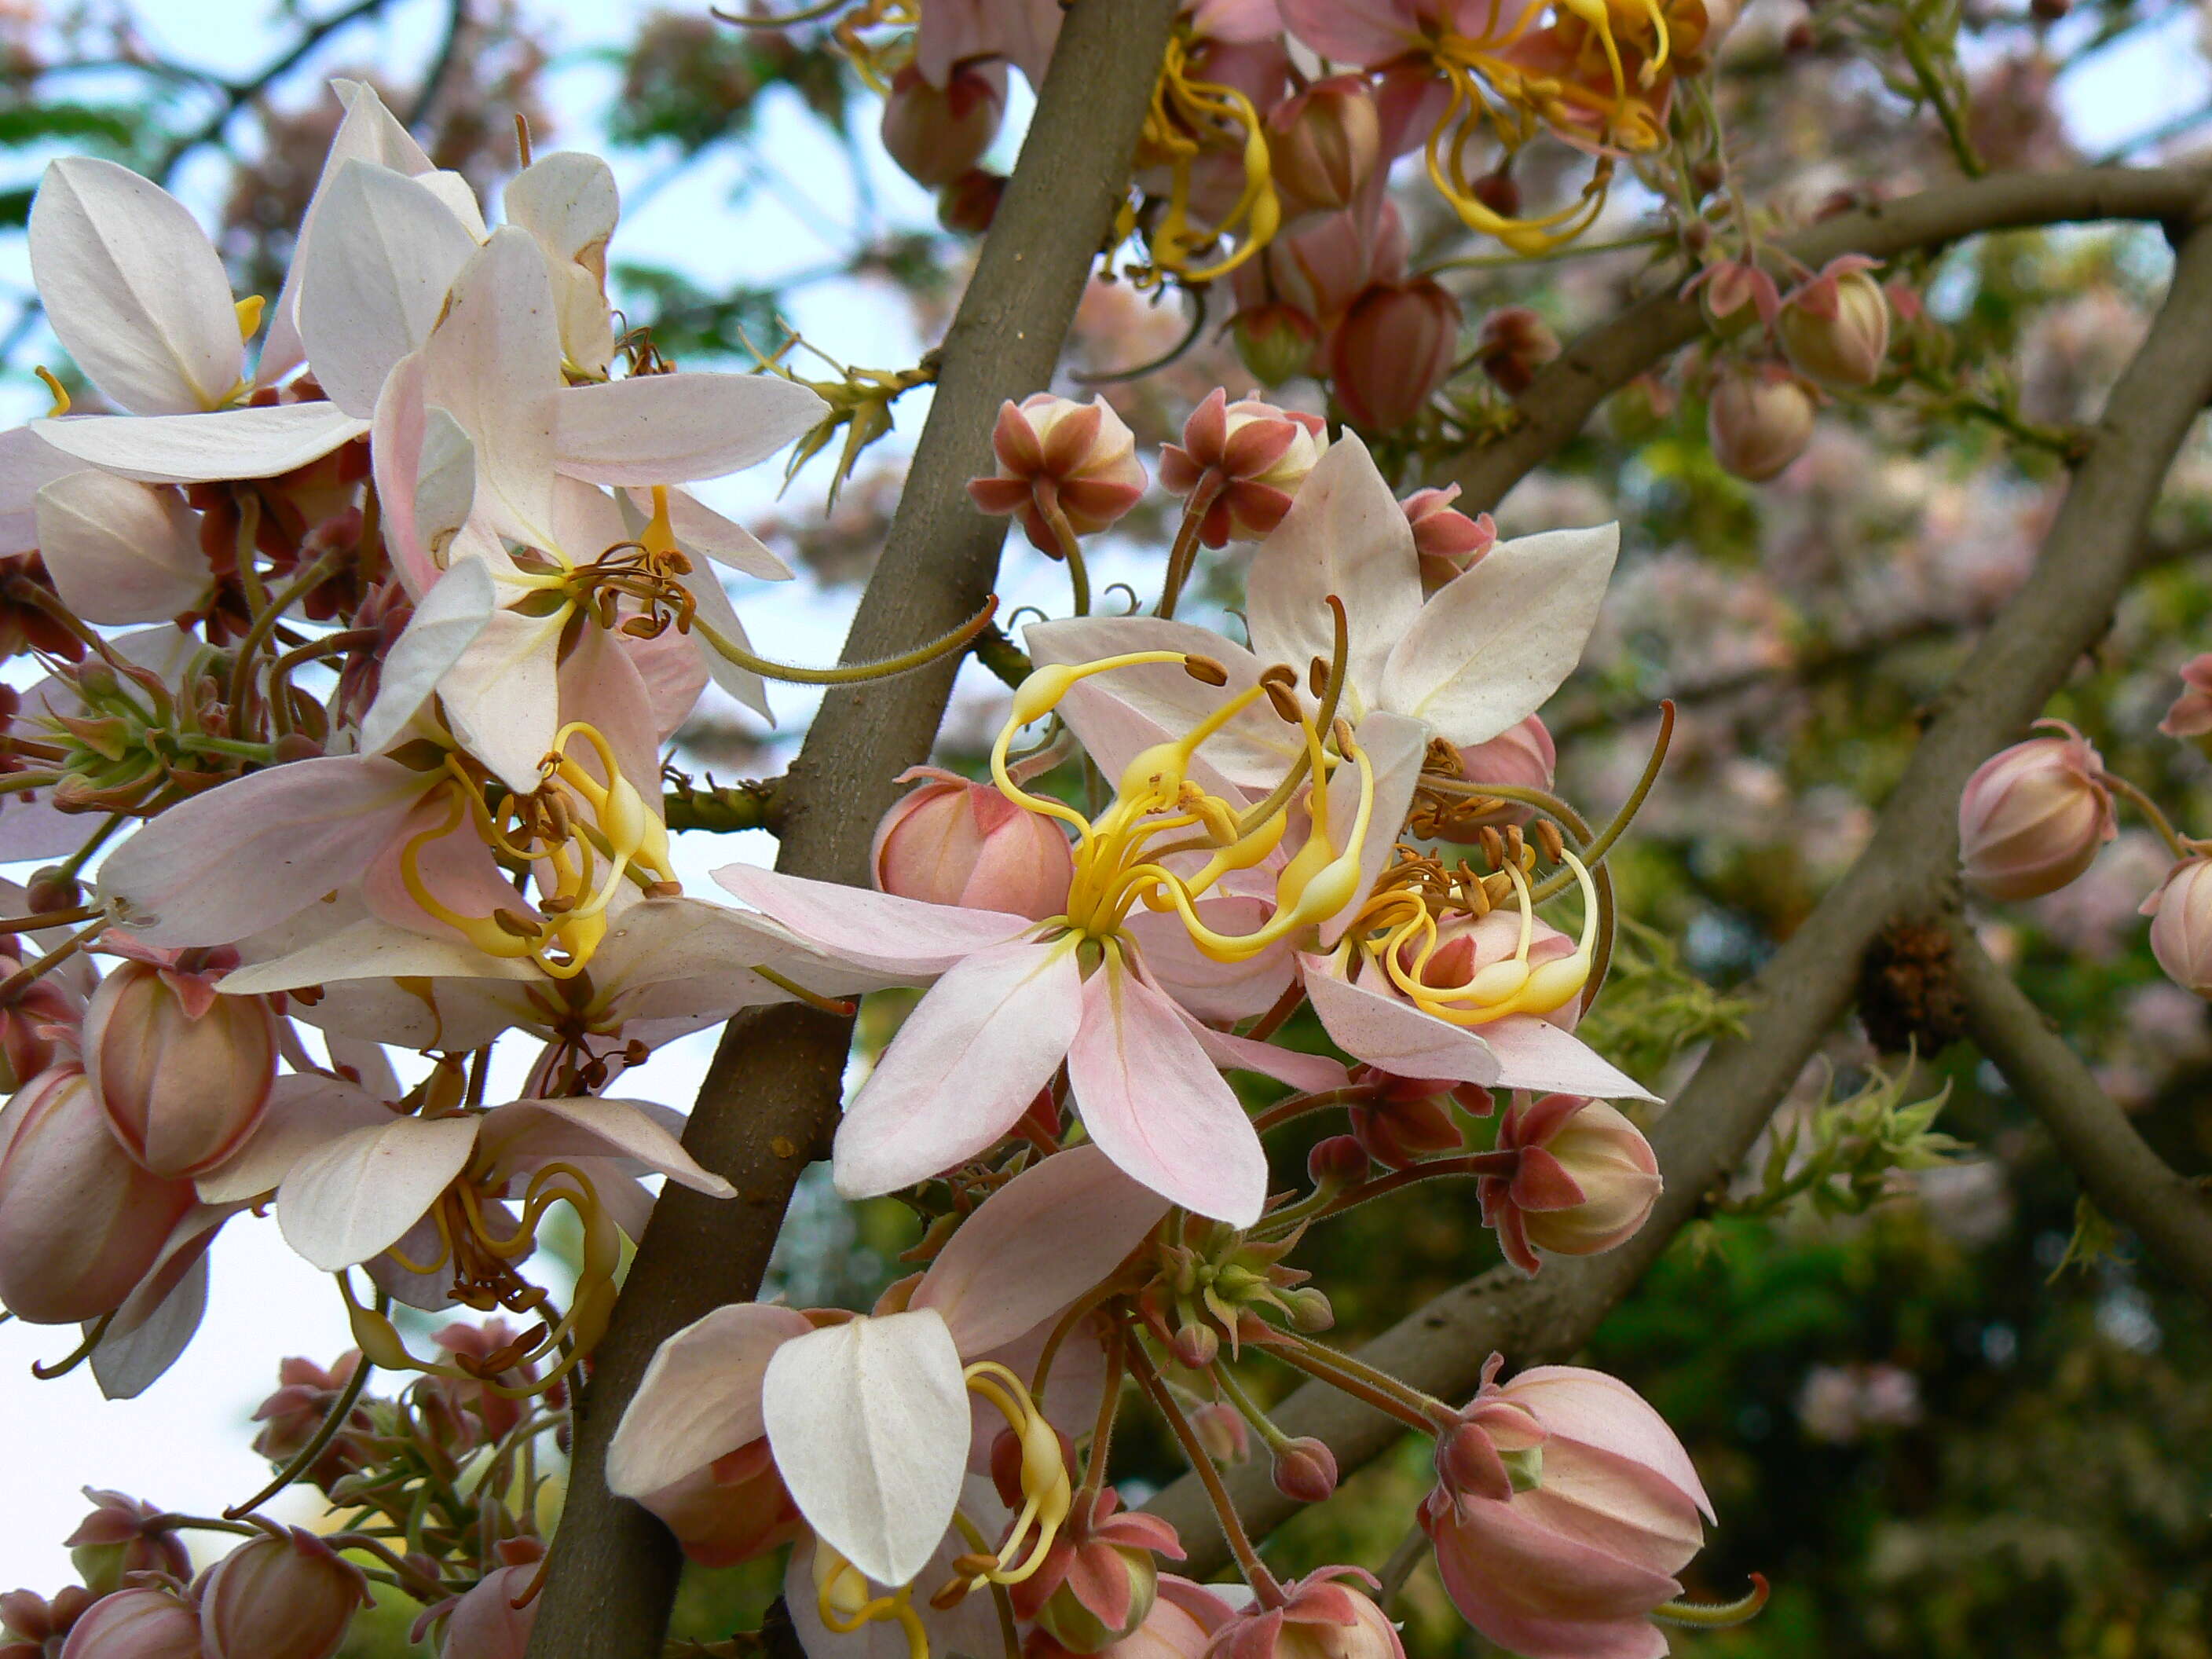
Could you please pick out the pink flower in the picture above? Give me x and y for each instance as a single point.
(954, 842)
(485, 1624)
(1319, 1619)
(2181, 925)
(114, 1541)
(1242, 464)
(2191, 716)
(1587, 1181)
(2032, 817)
(1061, 464)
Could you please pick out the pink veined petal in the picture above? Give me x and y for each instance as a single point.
(228, 443)
(353, 1197)
(133, 288)
(1498, 639)
(35, 829)
(28, 464)
(701, 1396)
(1346, 535)
(872, 930)
(450, 862)
(1311, 1074)
(1395, 748)
(446, 622)
(252, 852)
(1579, 1404)
(1021, 31)
(396, 440)
(674, 673)
(1047, 1236)
(966, 1063)
(1362, 32)
(373, 278)
(869, 1423)
(677, 958)
(1617, 1505)
(669, 429)
(1396, 1036)
(601, 685)
(527, 1134)
(1528, 1572)
(1153, 1102)
(120, 551)
(1201, 986)
(499, 697)
(1535, 1054)
(372, 948)
(305, 1112)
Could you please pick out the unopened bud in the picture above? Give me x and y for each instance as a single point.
(937, 134)
(1513, 344)
(1447, 541)
(1305, 1470)
(951, 842)
(1325, 143)
(1247, 460)
(1398, 1133)
(1587, 1180)
(1196, 1345)
(2032, 817)
(1051, 450)
(115, 1541)
(2181, 925)
(53, 888)
(968, 204)
(1497, 191)
(1759, 421)
(1222, 1431)
(1309, 1307)
(1521, 756)
(279, 1598)
(485, 1624)
(182, 1071)
(135, 1624)
(1275, 341)
(1836, 328)
(1396, 346)
(1337, 1162)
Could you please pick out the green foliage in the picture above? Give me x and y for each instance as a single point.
(1841, 1156)
(686, 321)
(1652, 1007)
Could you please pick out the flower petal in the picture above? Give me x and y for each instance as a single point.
(1535, 1054)
(869, 1423)
(1498, 641)
(1575, 1403)
(353, 1197)
(499, 694)
(457, 610)
(1047, 1236)
(28, 464)
(120, 551)
(133, 288)
(1395, 749)
(494, 364)
(871, 930)
(669, 429)
(375, 949)
(1396, 1036)
(566, 199)
(305, 1112)
(966, 1063)
(229, 443)
(130, 1357)
(1310, 1072)
(525, 1134)
(701, 1397)
(1155, 1106)
(700, 530)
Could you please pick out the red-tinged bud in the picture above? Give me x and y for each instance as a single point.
(39, 1026)
(53, 889)
(1491, 1451)
(1521, 756)
(279, 1598)
(1338, 1162)
(115, 1541)
(951, 841)
(1099, 1583)
(1735, 293)
(1275, 341)
(1759, 420)
(291, 1417)
(1240, 464)
(1473, 1099)
(80, 1223)
(1448, 543)
(1513, 344)
(936, 134)
(968, 204)
(1322, 268)
(1055, 452)
(33, 1626)
(1325, 144)
(2191, 716)
(1399, 1133)
(485, 1624)
(1836, 328)
(1222, 1431)
(1195, 1346)
(1586, 1182)
(732, 1511)
(2032, 817)
(135, 1624)
(2181, 925)
(1320, 1618)
(1393, 348)
(1305, 1471)
(182, 1071)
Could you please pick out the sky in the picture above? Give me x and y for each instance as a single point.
(184, 1445)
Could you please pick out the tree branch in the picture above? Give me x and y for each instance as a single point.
(2128, 1180)
(772, 1091)
(1907, 869)
(1568, 391)
(237, 94)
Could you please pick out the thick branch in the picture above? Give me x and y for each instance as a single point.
(2129, 1180)
(771, 1096)
(2061, 611)
(1569, 390)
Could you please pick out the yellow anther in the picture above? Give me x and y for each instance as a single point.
(249, 316)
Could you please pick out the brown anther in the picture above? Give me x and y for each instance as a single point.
(557, 820)
(646, 627)
(306, 995)
(1204, 670)
(636, 1052)
(1492, 845)
(664, 889)
(1341, 729)
(951, 1594)
(1317, 677)
(1283, 702)
(1514, 849)
(1548, 833)
(974, 1565)
(558, 905)
(520, 927)
(1279, 673)
(673, 561)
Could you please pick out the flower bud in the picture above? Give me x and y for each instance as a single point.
(1325, 143)
(291, 1417)
(730, 1511)
(1759, 421)
(485, 1624)
(2191, 716)
(1305, 1470)
(1447, 541)
(1240, 464)
(1393, 348)
(1222, 1431)
(80, 1223)
(951, 841)
(182, 1071)
(968, 204)
(1587, 1181)
(135, 1624)
(36, 1022)
(1309, 1309)
(1513, 344)
(1055, 453)
(1275, 341)
(114, 1541)
(1127, 1580)
(1836, 328)
(53, 889)
(2181, 925)
(936, 134)
(1196, 1345)
(1337, 1162)
(1319, 1619)
(2032, 817)
(1399, 1131)
(279, 1598)
(33, 1628)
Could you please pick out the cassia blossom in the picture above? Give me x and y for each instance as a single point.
(2181, 925)
(2032, 817)
(1066, 469)
(1241, 465)
(1586, 1182)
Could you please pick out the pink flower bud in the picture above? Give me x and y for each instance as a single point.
(1057, 455)
(1448, 541)
(114, 1541)
(43, 1016)
(1759, 421)
(182, 1071)
(33, 1628)
(968, 204)
(1305, 1470)
(1275, 341)
(1393, 348)
(1325, 143)
(1398, 1133)
(2032, 817)
(1734, 294)
(80, 1223)
(1221, 1430)
(291, 1417)
(279, 1598)
(1836, 328)
(1337, 1161)
(951, 842)
(732, 1511)
(1587, 1181)
(1319, 1619)
(937, 133)
(1493, 1450)
(2191, 713)
(1240, 464)
(135, 1624)
(2181, 925)
(485, 1624)
(1513, 344)
(1322, 268)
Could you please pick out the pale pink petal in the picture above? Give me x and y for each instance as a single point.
(1396, 1036)
(669, 429)
(446, 622)
(600, 686)
(397, 436)
(1535, 1054)
(353, 1197)
(133, 288)
(1309, 1073)
(118, 551)
(1155, 1106)
(676, 957)
(871, 930)
(972, 1626)
(1049, 1235)
(1395, 749)
(868, 1421)
(700, 530)
(1364, 32)
(252, 852)
(375, 949)
(1527, 1570)
(230, 443)
(701, 1396)
(149, 1332)
(1575, 1403)
(28, 464)
(966, 1063)
(1200, 984)
(499, 697)
(527, 1134)
(305, 1112)
(1496, 642)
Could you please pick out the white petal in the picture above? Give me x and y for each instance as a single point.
(133, 288)
(1535, 1054)
(128, 1362)
(375, 949)
(305, 1112)
(524, 1134)
(230, 443)
(28, 464)
(499, 697)
(567, 200)
(1496, 641)
(120, 551)
(345, 1202)
(700, 1398)
(669, 429)
(373, 279)
(445, 624)
(700, 529)
(869, 1423)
